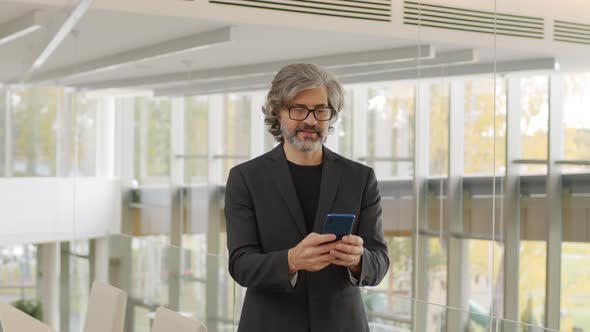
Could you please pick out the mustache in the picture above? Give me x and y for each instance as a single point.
(309, 128)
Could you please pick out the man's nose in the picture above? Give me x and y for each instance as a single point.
(310, 120)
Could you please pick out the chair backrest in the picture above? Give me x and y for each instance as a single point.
(14, 320)
(167, 320)
(106, 309)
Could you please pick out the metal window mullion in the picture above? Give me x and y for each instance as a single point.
(257, 130)
(359, 122)
(177, 146)
(8, 135)
(457, 289)
(105, 137)
(64, 136)
(64, 287)
(511, 217)
(554, 203)
(215, 139)
(143, 143)
(420, 243)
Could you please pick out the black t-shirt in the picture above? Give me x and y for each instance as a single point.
(307, 180)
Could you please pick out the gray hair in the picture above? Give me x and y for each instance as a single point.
(291, 80)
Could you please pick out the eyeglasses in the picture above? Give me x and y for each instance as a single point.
(300, 113)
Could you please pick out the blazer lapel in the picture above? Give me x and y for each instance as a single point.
(331, 174)
(282, 178)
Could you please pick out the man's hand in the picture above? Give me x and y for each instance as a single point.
(348, 253)
(312, 254)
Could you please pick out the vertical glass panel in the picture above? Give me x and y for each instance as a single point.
(34, 124)
(436, 281)
(196, 139)
(79, 284)
(390, 130)
(152, 139)
(483, 279)
(439, 129)
(485, 119)
(534, 103)
(532, 280)
(575, 286)
(83, 134)
(576, 120)
(235, 131)
(3, 110)
(343, 127)
(18, 273)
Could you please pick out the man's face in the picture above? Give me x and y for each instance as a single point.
(309, 134)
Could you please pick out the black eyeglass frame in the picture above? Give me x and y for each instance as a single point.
(312, 110)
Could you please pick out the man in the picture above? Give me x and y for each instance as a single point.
(298, 279)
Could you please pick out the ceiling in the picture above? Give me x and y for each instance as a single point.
(104, 31)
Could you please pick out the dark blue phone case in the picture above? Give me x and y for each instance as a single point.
(339, 224)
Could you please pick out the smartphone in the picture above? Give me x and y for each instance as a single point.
(339, 224)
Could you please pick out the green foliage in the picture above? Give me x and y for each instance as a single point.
(30, 307)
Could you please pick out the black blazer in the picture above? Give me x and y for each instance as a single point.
(264, 220)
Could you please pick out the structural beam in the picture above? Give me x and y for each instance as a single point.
(60, 35)
(331, 61)
(168, 48)
(353, 75)
(19, 27)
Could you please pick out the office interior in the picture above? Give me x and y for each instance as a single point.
(120, 120)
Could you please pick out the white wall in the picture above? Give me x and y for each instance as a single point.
(37, 210)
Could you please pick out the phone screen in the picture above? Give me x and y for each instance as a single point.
(339, 224)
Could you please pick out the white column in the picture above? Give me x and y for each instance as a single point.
(420, 250)
(457, 278)
(49, 269)
(554, 203)
(258, 129)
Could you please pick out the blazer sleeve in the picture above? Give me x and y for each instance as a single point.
(375, 260)
(247, 264)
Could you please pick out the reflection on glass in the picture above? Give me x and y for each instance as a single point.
(532, 280)
(34, 124)
(18, 272)
(534, 121)
(343, 134)
(576, 120)
(152, 139)
(485, 123)
(3, 94)
(437, 282)
(196, 139)
(83, 135)
(439, 129)
(575, 286)
(483, 279)
(390, 130)
(79, 286)
(235, 131)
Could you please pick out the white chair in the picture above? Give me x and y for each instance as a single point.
(106, 309)
(167, 320)
(14, 320)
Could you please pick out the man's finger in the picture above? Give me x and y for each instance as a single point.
(342, 256)
(315, 239)
(348, 249)
(353, 240)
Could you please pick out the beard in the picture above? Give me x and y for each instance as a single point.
(306, 144)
